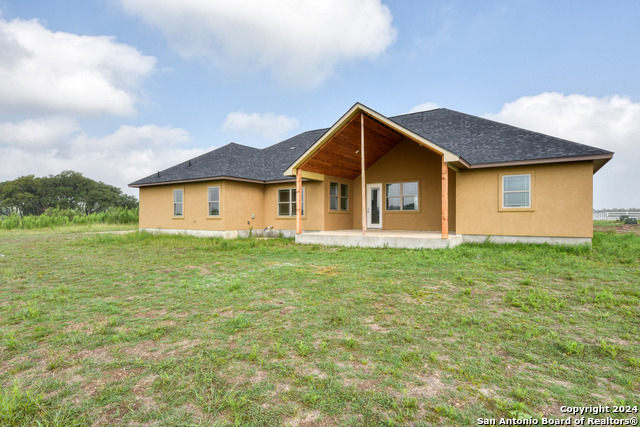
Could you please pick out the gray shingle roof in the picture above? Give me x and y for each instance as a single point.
(239, 161)
(476, 140)
(481, 141)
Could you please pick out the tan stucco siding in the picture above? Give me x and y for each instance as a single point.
(156, 206)
(562, 199)
(241, 201)
(338, 219)
(314, 206)
(409, 161)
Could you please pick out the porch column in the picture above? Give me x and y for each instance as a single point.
(298, 201)
(364, 192)
(445, 200)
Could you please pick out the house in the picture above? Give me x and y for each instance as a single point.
(428, 179)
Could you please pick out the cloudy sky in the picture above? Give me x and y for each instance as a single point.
(118, 89)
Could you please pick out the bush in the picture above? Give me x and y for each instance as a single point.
(55, 217)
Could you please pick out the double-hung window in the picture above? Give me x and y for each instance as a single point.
(214, 201)
(177, 202)
(516, 191)
(287, 202)
(402, 196)
(338, 196)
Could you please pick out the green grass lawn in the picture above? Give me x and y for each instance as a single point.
(136, 329)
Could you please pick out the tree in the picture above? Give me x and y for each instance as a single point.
(24, 194)
(68, 190)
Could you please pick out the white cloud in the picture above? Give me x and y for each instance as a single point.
(611, 123)
(58, 144)
(299, 41)
(267, 125)
(58, 72)
(424, 107)
(37, 133)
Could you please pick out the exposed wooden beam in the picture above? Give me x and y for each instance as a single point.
(364, 186)
(445, 200)
(362, 165)
(299, 201)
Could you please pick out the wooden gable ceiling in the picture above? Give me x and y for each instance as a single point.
(340, 155)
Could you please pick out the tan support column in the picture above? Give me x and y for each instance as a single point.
(364, 192)
(298, 201)
(445, 200)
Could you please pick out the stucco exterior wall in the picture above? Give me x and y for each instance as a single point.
(156, 206)
(409, 161)
(562, 199)
(338, 219)
(314, 207)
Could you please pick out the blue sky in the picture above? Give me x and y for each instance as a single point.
(118, 89)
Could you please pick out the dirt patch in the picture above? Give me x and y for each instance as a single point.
(378, 328)
(72, 327)
(101, 355)
(286, 310)
(619, 228)
(330, 271)
(142, 392)
(204, 271)
(430, 386)
(151, 350)
(304, 420)
(150, 314)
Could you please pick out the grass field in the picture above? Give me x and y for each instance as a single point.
(135, 329)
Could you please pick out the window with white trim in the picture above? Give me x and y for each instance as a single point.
(516, 191)
(402, 196)
(338, 196)
(177, 202)
(287, 202)
(214, 201)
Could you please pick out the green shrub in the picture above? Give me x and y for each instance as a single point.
(54, 217)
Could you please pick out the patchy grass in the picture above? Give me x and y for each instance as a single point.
(136, 329)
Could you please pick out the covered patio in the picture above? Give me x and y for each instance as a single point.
(347, 151)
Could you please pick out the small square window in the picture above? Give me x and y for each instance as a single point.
(516, 191)
(287, 202)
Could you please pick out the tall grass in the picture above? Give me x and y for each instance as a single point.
(64, 217)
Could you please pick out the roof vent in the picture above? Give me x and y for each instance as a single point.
(158, 174)
(293, 148)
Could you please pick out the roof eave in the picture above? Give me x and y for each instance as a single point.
(214, 178)
(599, 160)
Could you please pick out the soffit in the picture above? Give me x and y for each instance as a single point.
(340, 155)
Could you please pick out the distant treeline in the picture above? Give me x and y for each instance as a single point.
(67, 191)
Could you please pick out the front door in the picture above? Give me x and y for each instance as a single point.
(374, 205)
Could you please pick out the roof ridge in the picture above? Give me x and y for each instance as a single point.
(419, 112)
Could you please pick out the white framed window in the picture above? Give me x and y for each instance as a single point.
(338, 196)
(178, 202)
(287, 202)
(516, 191)
(402, 196)
(214, 201)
